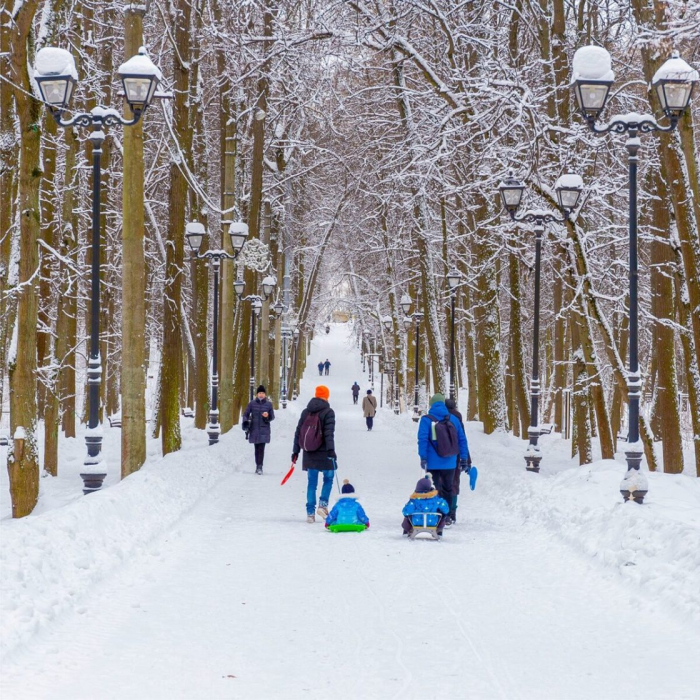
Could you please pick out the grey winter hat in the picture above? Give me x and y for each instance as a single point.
(437, 398)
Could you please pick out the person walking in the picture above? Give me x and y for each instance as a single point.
(451, 405)
(315, 435)
(369, 409)
(355, 392)
(256, 422)
(320, 369)
(441, 441)
(327, 366)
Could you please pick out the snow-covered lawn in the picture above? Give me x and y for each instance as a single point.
(197, 579)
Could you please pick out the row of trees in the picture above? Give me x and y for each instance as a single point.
(363, 143)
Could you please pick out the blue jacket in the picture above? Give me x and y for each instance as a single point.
(428, 502)
(347, 511)
(425, 445)
(259, 427)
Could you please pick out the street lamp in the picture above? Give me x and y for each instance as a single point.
(56, 77)
(256, 304)
(194, 234)
(674, 83)
(568, 189)
(453, 279)
(295, 334)
(416, 317)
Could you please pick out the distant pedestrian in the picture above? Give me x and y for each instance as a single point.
(315, 435)
(355, 392)
(256, 422)
(369, 409)
(441, 439)
(320, 369)
(327, 366)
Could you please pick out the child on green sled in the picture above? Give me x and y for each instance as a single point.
(347, 514)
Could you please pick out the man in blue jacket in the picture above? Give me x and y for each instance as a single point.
(441, 468)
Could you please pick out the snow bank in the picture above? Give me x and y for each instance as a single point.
(656, 546)
(49, 561)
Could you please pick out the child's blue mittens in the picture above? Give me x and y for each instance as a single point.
(473, 474)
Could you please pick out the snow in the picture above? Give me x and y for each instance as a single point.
(195, 578)
(140, 64)
(238, 227)
(54, 61)
(569, 181)
(195, 227)
(592, 63)
(675, 69)
(20, 433)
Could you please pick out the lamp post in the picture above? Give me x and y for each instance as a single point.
(453, 279)
(674, 83)
(256, 304)
(416, 317)
(194, 234)
(568, 189)
(295, 335)
(56, 77)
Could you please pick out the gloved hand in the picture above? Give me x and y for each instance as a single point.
(465, 465)
(295, 457)
(473, 473)
(424, 464)
(332, 454)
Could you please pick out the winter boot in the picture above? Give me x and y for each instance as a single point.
(258, 469)
(310, 518)
(322, 510)
(448, 521)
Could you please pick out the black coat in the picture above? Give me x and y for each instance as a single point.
(355, 389)
(318, 459)
(259, 426)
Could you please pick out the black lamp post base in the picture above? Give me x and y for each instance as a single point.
(213, 431)
(636, 496)
(92, 482)
(533, 457)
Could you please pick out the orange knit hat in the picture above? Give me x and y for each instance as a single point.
(322, 392)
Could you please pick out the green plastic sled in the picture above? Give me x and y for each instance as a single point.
(349, 527)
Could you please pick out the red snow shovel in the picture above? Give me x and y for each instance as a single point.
(289, 473)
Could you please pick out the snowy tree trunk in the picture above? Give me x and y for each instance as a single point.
(23, 453)
(520, 396)
(133, 356)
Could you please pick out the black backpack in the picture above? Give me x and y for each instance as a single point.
(311, 433)
(446, 441)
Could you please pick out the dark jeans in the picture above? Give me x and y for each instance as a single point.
(407, 525)
(443, 480)
(354, 398)
(259, 453)
(320, 372)
(328, 369)
(370, 422)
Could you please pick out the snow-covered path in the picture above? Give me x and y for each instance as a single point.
(243, 599)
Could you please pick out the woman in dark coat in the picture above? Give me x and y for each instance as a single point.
(256, 422)
(321, 460)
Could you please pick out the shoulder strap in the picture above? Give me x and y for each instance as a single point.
(432, 418)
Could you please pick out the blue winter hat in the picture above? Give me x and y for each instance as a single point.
(369, 391)
(347, 487)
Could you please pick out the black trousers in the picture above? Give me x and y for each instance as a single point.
(259, 453)
(328, 369)
(443, 480)
(370, 422)
(354, 398)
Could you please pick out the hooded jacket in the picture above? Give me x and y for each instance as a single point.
(259, 430)
(319, 458)
(355, 389)
(347, 511)
(426, 450)
(428, 502)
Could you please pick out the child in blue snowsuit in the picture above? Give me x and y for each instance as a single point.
(347, 514)
(425, 499)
